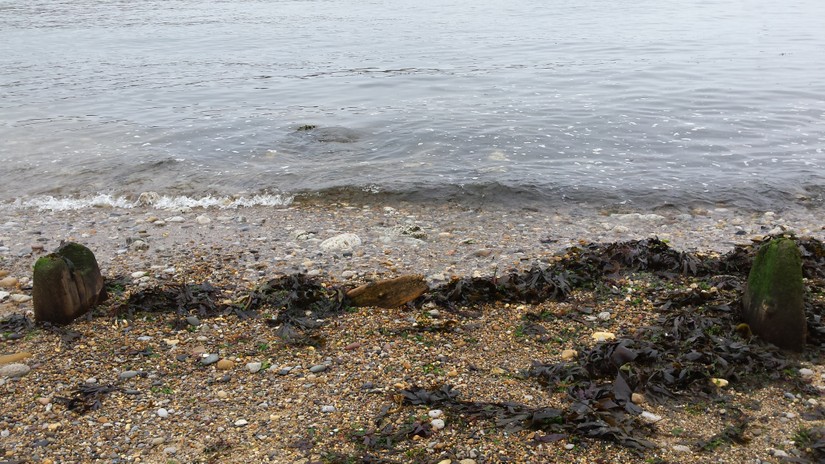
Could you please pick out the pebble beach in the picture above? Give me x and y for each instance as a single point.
(239, 395)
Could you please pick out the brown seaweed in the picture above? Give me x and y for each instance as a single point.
(86, 397)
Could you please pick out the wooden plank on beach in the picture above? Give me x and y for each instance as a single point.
(389, 293)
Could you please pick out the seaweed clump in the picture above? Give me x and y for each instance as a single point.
(696, 338)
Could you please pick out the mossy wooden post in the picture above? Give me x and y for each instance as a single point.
(66, 284)
(774, 297)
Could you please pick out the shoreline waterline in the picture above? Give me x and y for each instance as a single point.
(492, 196)
(438, 240)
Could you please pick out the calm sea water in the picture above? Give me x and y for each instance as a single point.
(626, 101)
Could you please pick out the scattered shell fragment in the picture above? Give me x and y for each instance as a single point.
(568, 355)
(603, 336)
(721, 383)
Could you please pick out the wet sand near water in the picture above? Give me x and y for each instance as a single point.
(436, 241)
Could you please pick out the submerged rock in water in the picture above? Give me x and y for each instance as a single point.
(331, 134)
(66, 284)
(773, 304)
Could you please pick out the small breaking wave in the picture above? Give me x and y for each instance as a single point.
(150, 200)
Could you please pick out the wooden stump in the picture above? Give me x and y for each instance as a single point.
(66, 284)
(773, 304)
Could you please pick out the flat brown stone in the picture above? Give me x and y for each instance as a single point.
(389, 293)
(12, 358)
(225, 365)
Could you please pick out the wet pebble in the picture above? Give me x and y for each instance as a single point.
(341, 242)
(138, 245)
(225, 365)
(778, 453)
(650, 417)
(603, 336)
(19, 298)
(12, 358)
(721, 383)
(568, 355)
(318, 368)
(14, 370)
(128, 374)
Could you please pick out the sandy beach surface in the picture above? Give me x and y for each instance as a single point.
(266, 401)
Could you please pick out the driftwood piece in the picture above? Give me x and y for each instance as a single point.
(389, 293)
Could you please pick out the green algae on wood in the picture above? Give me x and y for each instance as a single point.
(773, 304)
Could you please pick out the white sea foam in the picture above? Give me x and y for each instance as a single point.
(50, 203)
(160, 202)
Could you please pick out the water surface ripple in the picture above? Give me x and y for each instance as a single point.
(637, 101)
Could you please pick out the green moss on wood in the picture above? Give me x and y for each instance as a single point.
(81, 257)
(778, 268)
(47, 264)
(774, 300)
